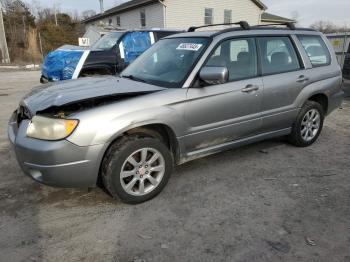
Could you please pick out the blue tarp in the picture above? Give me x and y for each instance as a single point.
(60, 64)
(135, 43)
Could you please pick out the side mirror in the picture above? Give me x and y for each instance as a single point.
(214, 75)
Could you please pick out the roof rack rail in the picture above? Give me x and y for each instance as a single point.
(243, 24)
(290, 25)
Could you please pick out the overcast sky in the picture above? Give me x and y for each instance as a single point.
(308, 11)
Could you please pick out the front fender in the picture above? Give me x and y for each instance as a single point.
(165, 116)
(104, 124)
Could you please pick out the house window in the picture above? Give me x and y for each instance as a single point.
(143, 17)
(110, 21)
(118, 21)
(227, 16)
(208, 16)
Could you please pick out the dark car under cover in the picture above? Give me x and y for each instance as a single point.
(108, 56)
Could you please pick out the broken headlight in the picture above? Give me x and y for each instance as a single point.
(46, 128)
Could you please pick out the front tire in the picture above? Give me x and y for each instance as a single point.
(136, 169)
(308, 125)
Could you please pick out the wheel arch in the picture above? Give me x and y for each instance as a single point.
(320, 98)
(157, 130)
(161, 131)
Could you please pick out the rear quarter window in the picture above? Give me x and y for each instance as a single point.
(316, 50)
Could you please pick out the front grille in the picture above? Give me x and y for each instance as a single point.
(22, 114)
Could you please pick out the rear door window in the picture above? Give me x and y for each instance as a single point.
(316, 49)
(277, 55)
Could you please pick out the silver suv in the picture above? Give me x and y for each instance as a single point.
(188, 96)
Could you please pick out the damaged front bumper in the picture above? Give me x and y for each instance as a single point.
(55, 163)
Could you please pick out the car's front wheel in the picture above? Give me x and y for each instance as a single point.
(136, 168)
(308, 124)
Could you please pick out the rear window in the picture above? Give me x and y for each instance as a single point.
(316, 49)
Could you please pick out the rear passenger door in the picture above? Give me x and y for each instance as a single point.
(284, 77)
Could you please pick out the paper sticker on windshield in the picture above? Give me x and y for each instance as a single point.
(189, 46)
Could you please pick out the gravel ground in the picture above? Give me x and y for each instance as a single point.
(264, 202)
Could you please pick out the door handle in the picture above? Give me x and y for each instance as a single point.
(302, 79)
(250, 88)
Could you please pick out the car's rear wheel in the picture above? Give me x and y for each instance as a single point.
(136, 169)
(308, 125)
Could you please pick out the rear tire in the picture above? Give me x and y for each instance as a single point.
(308, 125)
(136, 168)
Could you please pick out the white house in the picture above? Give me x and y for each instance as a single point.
(181, 14)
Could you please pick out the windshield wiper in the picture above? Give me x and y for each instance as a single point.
(131, 77)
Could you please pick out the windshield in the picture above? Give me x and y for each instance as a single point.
(168, 62)
(108, 41)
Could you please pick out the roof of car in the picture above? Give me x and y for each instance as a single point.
(150, 30)
(194, 34)
(260, 30)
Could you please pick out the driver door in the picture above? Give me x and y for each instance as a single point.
(222, 113)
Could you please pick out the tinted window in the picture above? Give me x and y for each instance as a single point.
(107, 41)
(316, 49)
(239, 56)
(277, 55)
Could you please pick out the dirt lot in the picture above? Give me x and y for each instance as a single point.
(265, 202)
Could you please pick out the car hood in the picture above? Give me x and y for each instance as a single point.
(82, 89)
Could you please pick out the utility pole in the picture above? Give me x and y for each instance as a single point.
(24, 26)
(3, 42)
(55, 16)
(41, 47)
(55, 12)
(102, 9)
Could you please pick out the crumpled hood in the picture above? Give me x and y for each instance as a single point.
(82, 89)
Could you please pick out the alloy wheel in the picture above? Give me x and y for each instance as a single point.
(310, 125)
(142, 171)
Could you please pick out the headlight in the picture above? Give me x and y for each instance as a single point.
(51, 128)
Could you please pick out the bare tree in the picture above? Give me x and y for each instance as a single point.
(328, 27)
(88, 13)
